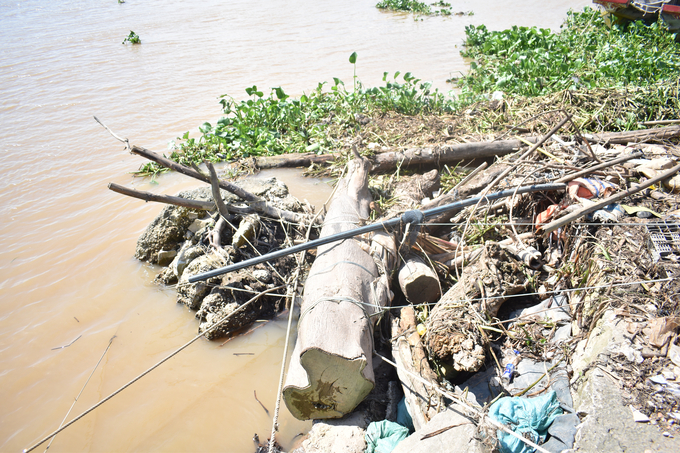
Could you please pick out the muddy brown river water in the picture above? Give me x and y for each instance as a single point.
(67, 270)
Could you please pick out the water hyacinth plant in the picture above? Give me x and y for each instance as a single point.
(586, 53)
(415, 6)
(276, 123)
(132, 38)
(610, 79)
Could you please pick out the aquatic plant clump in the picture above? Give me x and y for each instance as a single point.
(609, 79)
(277, 124)
(417, 7)
(586, 53)
(132, 38)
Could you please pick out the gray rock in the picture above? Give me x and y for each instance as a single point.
(340, 435)
(262, 275)
(199, 224)
(169, 228)
(165, 257)
(187, 254)
(191, 294)
(459, 438)
(608, 426)
(166, 277)
(608, 331)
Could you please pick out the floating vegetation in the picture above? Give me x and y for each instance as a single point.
(610, 80)
(532, 61)
(277, 123)
(418, 7)
(132, 38)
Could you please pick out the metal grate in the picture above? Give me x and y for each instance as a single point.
(664, 239)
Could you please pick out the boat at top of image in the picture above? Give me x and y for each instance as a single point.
(648, 11)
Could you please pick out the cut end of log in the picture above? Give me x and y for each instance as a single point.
(418, 281)
(336, 386)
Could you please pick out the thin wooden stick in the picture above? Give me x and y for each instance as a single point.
(256, 202)
(265, 409)
(470, 176)
(168, 199)
(124, 140)
(215, 185)
(607, 164)
(654, 123)
(555, 224)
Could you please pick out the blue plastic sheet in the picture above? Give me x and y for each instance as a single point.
(383, 436)
(403, 417)
(530, 417)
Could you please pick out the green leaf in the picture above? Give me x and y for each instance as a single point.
(353, 58)
(280, 94)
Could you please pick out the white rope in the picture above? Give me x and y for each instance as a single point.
(177, 351)
(272, 438)
(557, 291)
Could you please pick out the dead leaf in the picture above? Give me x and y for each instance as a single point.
(662, 329)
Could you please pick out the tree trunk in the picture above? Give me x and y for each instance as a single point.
(292, 160)
(384, 162)
(658, 134)
(331, 369)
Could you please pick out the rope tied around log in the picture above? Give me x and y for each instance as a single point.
(338, 300)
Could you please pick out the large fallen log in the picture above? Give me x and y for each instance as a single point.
(447, 154)
(291, 160)
(657, 134)
(388, 161)
(331, 368)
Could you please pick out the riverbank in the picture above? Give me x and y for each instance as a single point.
(548, 283)
(69, 270)
(576, 265)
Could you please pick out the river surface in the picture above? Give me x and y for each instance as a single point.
(67, 270)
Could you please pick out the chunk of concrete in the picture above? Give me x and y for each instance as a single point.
(608, 425)
(449, 430)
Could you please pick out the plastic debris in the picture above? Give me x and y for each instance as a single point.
(664, 238)
(530, 417)
(510, 368)
(610, 213)
(674, 353)
(562, 433)
(638, 416)
(403, 416)
(384, 436)
(590, 188)
(545, 216)
(658, 379)
(640, 211)
(662, 330)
